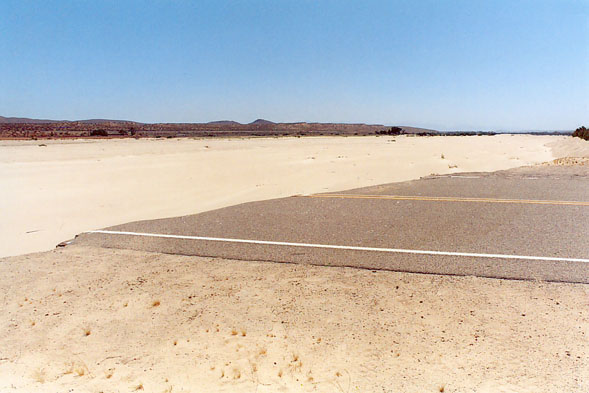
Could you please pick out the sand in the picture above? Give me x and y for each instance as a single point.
(52, 190)
(84, 319)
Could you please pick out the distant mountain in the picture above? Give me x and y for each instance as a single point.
(16, 120)
(11, 127)
(261, 122)
(416, 130)
(224, 123)
(101, 121)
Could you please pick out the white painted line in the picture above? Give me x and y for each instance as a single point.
(331, 246)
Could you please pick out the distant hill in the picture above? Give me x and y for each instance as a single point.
(224, 123)
(16, 120)
(416, 130)
(25, 120)
(261, 122)
(103, 121)
(11, 127)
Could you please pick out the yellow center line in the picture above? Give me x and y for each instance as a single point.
(450, 199)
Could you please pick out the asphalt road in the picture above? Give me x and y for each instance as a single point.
(518, 220)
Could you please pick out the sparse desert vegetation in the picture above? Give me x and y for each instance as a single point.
(34, 129)
(39, 375)
(77, 368)
(582, 133)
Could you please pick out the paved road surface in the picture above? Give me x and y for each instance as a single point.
(527, 223)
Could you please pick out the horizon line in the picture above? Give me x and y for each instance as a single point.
(483, 129)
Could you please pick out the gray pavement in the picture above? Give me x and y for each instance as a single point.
(474, 213)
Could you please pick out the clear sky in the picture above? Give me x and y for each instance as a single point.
(510, 65)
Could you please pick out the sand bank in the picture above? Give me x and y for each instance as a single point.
(51, 193)
(123, 321)
(85, 319)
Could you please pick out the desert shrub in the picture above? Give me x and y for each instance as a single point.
(391, 131)
(98, 133)
(582, 133)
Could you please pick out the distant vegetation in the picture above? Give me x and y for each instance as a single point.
(24, 128)
(21, 128)
(582, 133)
(98, 133)
(391, 131)
(423, 132)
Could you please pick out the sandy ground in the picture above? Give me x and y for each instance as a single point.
(51, 193)
(84, 319)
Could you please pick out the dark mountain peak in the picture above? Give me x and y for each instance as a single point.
(261, 122)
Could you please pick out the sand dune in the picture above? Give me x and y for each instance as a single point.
(51, 193)
(86, 319)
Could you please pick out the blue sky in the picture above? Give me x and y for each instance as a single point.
(441, 64)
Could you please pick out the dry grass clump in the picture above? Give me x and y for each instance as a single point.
(570, 161)
(39, 375)
(78, 368)
(156, 303)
